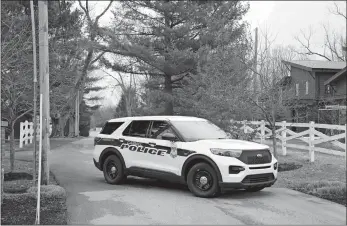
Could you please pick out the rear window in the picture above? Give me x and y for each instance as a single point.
(110, 127)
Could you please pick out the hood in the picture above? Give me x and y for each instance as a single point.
(232, 144)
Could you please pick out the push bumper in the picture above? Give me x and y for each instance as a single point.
(97, 165)
(233, 186)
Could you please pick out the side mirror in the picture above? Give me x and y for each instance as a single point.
(169, 137)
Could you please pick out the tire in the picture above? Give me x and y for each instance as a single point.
(117, 176)
(195, 177)
(254, 189)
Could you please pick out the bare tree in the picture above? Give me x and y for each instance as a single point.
(333, 41)
(128, 90)
(92, 56)
(16, 68)
(269, 101)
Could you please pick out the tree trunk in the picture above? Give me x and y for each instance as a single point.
(55, 127)
(168, 96)
(128, 105)
(71, 126)
(12, 149)
(62, 123)
(274, 141)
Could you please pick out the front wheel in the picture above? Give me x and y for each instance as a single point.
(113, 170)
(202, 181)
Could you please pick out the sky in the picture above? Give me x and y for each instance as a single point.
(283, 19)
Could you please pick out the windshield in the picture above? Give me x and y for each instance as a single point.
(199, 130)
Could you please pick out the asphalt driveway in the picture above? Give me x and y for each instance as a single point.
(143, 201)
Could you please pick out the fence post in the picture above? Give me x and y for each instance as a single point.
(26, 124)
(31, 132)
(21, 135)
(244, 126)
(284, 137)
(262, 131)
(311, 139)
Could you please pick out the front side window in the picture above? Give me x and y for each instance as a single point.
(199, 130)
(159, 128)
(137, 129)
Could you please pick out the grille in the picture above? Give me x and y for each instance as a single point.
(260, 167)
(250, 157)
(258, 178)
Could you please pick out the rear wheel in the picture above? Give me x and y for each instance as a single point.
(113, 170)
(202, 181)
(254, 189)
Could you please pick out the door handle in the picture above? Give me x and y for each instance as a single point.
(152, 144)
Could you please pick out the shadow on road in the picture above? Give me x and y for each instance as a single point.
(149, 183)
(136, 182)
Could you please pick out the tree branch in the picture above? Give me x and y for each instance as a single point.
(103, 12)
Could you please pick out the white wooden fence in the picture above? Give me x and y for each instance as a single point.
(26, 134)
(311, 136)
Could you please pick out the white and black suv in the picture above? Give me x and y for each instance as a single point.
(187, 150)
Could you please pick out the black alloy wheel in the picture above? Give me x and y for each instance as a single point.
(113, 170)
(202, 181)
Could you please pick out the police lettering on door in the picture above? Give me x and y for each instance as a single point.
(141, 148)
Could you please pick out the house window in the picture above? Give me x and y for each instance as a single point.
(296, 89)
(306, 87)
(328, 89)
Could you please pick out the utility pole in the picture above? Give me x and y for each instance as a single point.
(44, 86)
(255, 75)
(35, 85)
(77, 113)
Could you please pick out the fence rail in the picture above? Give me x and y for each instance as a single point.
(311, 136)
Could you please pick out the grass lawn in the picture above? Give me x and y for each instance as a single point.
(324, 178)
(19, 198)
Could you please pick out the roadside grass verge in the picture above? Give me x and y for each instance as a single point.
(20, 209)
(324, 178)
(333, 191)
(19, 197)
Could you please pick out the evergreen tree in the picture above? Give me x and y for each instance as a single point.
(164, 38)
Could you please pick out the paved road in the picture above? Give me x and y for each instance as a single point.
(143, 201)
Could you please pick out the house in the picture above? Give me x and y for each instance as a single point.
(315, 85)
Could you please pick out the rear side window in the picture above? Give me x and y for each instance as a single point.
(137, 129)
(110, 127)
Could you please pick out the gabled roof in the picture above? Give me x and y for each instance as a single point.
(343, 72)
(315, 65)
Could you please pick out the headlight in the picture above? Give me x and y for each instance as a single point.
(275, 166)
(226, 152)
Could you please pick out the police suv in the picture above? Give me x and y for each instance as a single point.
(187, 150)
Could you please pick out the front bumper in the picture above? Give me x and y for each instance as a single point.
(250, 171)
(233, 186)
